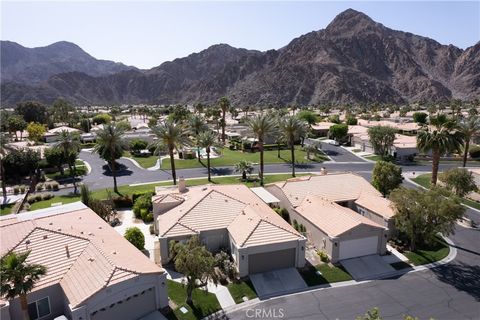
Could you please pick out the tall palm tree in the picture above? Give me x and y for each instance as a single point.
(197, 124)
(441, 137)
(261, 125)
(469, 127)
(69, 143)
(18, 278)
(224, 104)
(292, 128)
(207, 140)
(244, 167)
(110, 146)
(170, 136)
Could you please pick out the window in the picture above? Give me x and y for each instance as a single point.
(39, 308)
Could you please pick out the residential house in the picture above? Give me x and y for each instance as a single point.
(53, 135)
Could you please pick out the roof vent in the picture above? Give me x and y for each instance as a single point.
(91, 259)
(114, 252)
(90, 234)
(100, 227)
(50, 224)
(81, 232)
(45, 237)
(59, 229)
(67, 251)
(27, 242)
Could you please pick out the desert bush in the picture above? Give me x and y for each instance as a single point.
(474, 152)
(55, 185)
(323, 256)
(16, 189)
(39, 187)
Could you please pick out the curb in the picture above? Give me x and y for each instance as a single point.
(134, 162)
(356, 155)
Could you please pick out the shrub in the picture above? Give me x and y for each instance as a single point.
(295, 224)
(39, 187)
(122, 201)
(23, 188)
(48, 186)
(47, 196)
(474, 152)
(282, 212)
(135, 236)
(137, 195)
(143, 213)
(323, 256)
(148, 218)
(16, 189)
(302, 228)
(151, 228)
(138, 144)
(142, 202)
(38, 197)
(31, 199)
(55, 185)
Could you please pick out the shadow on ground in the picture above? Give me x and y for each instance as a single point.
(462, 276)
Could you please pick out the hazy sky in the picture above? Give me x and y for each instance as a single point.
(145, 34)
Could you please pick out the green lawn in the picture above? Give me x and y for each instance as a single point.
(428, 255)
(374, 157)
(242, 289)
(231, 157)
(145, 162)
(81, 171)
(7, 209)
(328, 275)
(204, 303)
(64, 199)
(424, 181)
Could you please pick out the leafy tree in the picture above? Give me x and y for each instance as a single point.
(69, 143)
(420, 117)
(32, 112)
(35, 131)
(170, 136)
(197, 125)
(338, 131)
(16, 123)
(102, 118)
(224, 105)
(18, 278)
(178, 113)
(382, 138)
(62, 110)
(137, 145)
(21, 162)
(292, 128)
(110, 146)
(459, 181)
(136, 237)
(469, 128)
(442, 136)
(308, 116)
(244, 167)
(101, 208)
(386, 177)
(421, 214)
(261, 125)
(124, 125)
(207, 140)
(195, 262)
(55, 158)
(334, 118)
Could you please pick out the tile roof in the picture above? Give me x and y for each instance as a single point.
(403, 141)
(330, 217)
(232, 207)
(81, 251)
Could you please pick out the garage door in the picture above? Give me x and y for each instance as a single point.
(131, 308)
(358, 247)
(262, 262)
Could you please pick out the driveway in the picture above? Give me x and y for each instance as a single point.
(338, 154)
(277, 282)
(367, 267)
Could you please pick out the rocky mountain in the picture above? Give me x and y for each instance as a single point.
(34, 65)
(354, 59)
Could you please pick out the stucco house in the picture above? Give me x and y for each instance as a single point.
(344, 214)
(228, 217)
(53, 135)
(93, 273)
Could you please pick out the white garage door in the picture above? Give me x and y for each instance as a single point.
(358, 247)
(131, 308)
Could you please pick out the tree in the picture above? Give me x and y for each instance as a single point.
(197, 125)
(381, 138)
(420, 117)
(69, 143)
(338, 131)
(207, 140)
(170, 136)
(386, 177)
(292, 129)
(460, 181)
(16, 123)
(102, 118)
(421, 214)
(55, 158)
(32, 112)
(136, 145)
(469, 128)
(62, 111)
(224, 105)
(110, 146)
(351, 121)
(35, 131)
(195, 262)
(244, 167)
(136, 237)
(334, 118)
(18, 278)
(308, 116)
(442, 136)
(85, 195)
(261, 125)
(124, 125)
(178, 113)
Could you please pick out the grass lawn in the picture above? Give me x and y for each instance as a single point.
(231, 157)
(204, 303)
(145, 162)
(428, 255)
(424, 181)
(64, 199)
(374, 157)
(7, 209)
(242, 289)
(328, 275)
(81, 171)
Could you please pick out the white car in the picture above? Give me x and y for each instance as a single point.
(332, 142)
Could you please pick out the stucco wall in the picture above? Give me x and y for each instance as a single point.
(387, 223)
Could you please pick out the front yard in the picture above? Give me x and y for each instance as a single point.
(428, 254)
(328, 274)
(241, 289)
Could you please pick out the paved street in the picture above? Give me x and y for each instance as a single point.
(339, 154)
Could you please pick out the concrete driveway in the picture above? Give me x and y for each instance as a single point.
(277, 282)
(367, 267)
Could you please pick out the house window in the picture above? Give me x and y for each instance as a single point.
(39, 308)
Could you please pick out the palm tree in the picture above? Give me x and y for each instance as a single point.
(469, 127)
(244, 167)
(207, 140)
(69, 144)
(18, 278)
(441, 137)
(292, 128)
(261, 125)
(170, 136)
(197, 124)
(224, 104)
(110, 146)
